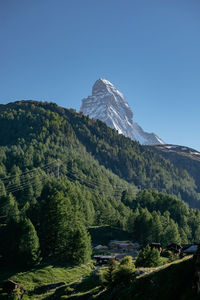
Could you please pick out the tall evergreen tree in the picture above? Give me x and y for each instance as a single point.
(141, 231)
(156, 227)
(171, 233)
(55, 217)
(8, 208)
(28, 244)
(63, 234)
(79, 244)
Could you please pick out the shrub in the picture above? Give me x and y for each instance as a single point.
(107, 273)
(119, 273)
(148, 258)
(124, 273)
(170, 255)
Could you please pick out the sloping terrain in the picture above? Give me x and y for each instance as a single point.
(35, 133)
(182, 157)
(61, 172)
(175, 281)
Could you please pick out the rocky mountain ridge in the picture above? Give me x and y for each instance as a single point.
(110, 106)
(181, 150)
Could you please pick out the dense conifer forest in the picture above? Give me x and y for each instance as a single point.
(61, 172)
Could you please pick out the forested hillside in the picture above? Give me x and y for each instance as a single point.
(61, 172)
(175, 281)
(183, 158)
(135, 163)
(29, 123)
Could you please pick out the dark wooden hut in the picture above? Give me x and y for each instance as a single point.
(103, 259)
(175, 248)
(9, 286)
(157, 246)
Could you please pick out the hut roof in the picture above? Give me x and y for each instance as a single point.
(191, 249)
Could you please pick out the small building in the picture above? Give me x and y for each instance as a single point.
(175, 248)
(100, 247)
(157, 246)
(123, 246)
(103, 259)
(191, 249)
(136, 246)
(9, 286)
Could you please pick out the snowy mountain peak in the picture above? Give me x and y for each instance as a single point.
(110, 106)
(101, 85)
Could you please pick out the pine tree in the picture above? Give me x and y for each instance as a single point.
(107, 274)
(79, 244)
(171, 233)
(197, 235)
(28, 244)
(142, 228)
(148, 258)
(183, 236)
(9, 208)
(63, 233)
(55, 217)
(156, 227)
(9, 234)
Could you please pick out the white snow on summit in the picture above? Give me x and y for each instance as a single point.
(109, 105)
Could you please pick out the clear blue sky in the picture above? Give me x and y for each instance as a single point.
(54, 50)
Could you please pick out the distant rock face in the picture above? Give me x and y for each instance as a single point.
(109, 105)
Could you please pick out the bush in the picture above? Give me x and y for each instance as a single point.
(128, 262)
(170, 255)
(119, 273)
(124, 273)
(107, 273)
(16, 294)
(148, 258)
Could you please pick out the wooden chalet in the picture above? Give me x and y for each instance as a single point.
(157, 246)
(103, 259)
(123, 246)
(9, 286)
(189, 249)
(101, 247)
(175, 248)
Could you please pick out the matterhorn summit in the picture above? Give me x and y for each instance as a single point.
(109, 105)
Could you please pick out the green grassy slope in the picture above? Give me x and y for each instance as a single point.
(174, 281)
(37, 282)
